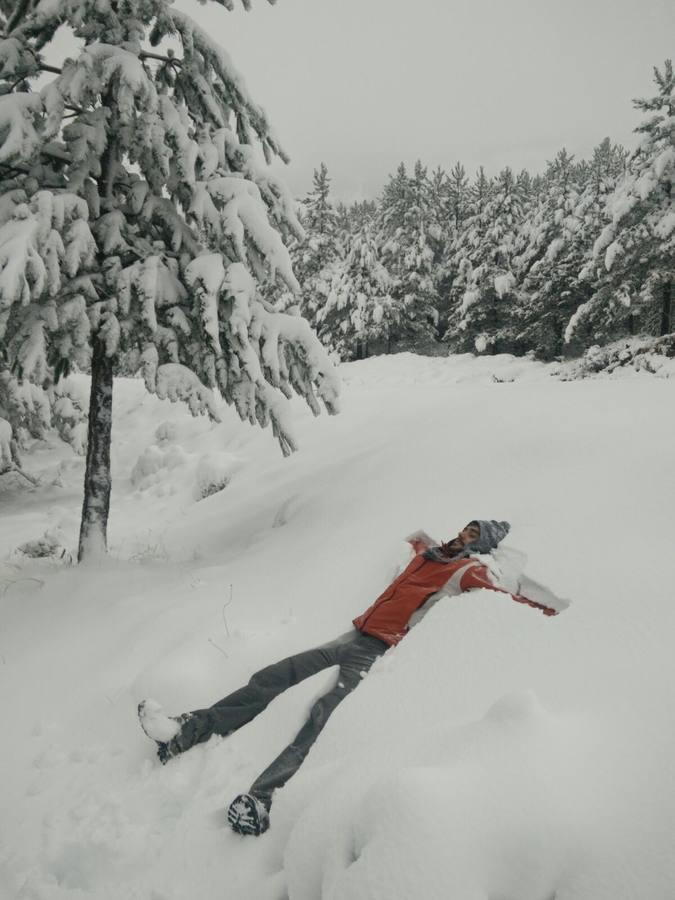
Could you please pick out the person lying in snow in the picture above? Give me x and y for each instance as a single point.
(436, 570)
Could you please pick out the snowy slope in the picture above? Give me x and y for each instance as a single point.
(494, 754)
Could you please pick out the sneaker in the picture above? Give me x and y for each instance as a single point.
(156, 724)
(248, 815)
(164, 752)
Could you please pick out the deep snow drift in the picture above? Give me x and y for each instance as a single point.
(494, 754)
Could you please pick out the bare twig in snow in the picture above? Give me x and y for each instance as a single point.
(213, 643)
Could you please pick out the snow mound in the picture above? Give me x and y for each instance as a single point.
(645, 355)
(154, 469)
(514, 805)
(165, 467)
(464, 811)
(213, 473)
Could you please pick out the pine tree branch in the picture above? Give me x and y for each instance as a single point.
(20, 170)
(44, 67)
(55, 152)
(15, 85)
(19, 12)
(78, 110)
(172, 60)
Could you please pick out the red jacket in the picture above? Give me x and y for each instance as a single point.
(389, 616)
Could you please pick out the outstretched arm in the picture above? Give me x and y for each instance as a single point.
(420, 541)
(418, 545)
(478, 577)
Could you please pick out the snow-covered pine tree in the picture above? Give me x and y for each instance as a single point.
(464, 243)
(349, 220)
(321, 218)
(574, 266)
(315, 257)
(358, 214)
(525, 187)
(482, 320)
(342, 217)
(409, 247)
(545, 272)
(455, 198)
(482, 190)
(440, 231)
(635, 251)
(137, 217)
(460, 196)
(359, 316)
(439, 195)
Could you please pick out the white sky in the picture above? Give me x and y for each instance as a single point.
(364, 84)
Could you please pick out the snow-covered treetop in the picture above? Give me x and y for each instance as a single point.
(642, 206)
(319, 212)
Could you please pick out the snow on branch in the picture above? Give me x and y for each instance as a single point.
(40, 23)
(22, 270)
(276, 194)
(146, 287)
(292, 356)
(256, 350)
(197, 43)
(177, 383)
(580, 314)
(16, 60)
(25, 406)
(206, 275)
(42, 241)
(229, 4)
(19, 140)
(185, 149)
(96, 68)
(232, 206)
(271, 409)
(70, 416)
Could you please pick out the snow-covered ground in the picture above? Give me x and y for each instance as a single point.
(494, 755)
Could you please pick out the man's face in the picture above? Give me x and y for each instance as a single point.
(467, 535)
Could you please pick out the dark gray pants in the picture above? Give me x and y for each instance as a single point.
(354, 653)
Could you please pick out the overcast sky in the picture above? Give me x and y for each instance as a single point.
(364, 84)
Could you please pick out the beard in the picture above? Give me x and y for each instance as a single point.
(453, 547)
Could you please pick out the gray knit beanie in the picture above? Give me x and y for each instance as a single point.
(491, 533)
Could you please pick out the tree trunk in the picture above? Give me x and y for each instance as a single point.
(97, 480)
(96, 505)
(558, 335)
(666, 306)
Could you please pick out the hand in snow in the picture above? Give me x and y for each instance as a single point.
(418, 546)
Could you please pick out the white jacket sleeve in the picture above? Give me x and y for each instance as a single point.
(423, 537)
